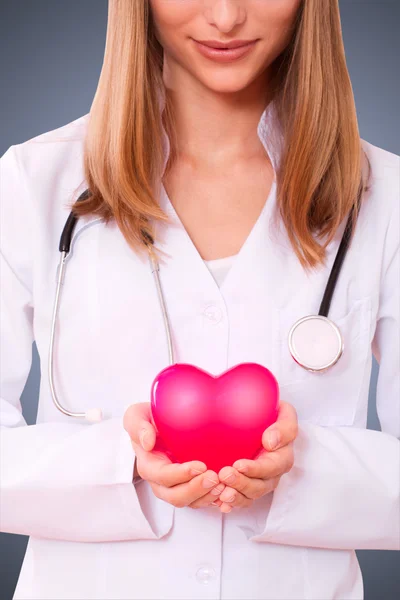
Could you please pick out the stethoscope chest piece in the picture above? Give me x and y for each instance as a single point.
(315, 343)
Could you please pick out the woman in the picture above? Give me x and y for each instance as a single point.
(242, 171)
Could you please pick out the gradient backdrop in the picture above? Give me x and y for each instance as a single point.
(52, 55)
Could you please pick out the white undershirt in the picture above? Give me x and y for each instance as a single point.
(219, 267)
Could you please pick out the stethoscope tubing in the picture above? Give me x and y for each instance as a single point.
(66, 249)
(67, 241)
(337, 265)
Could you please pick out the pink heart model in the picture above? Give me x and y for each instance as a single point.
(214, 419)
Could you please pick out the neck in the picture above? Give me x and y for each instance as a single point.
(215, 129)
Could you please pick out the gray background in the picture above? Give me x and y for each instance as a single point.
(52, 51)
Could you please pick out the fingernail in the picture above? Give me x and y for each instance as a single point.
(142, 435)
(227, 509)
(209, 483)
(196, 472)
(273, 439)
(215, 503)
(218, 490)
(230, 479)
(231, 499)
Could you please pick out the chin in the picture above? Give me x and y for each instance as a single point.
(225, 85)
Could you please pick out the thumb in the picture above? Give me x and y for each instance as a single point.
(137, 422)
(284, 430)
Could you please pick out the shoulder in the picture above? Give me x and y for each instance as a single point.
(43, 173)
(383, 195)
(39, 178)
(69, 132)
(380, 158)
(385, 176)
(380, 212)
(42, 155)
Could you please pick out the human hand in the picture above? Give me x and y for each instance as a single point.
(180, 484)
(248, 480)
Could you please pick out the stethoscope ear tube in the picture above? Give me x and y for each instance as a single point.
(92, 415)
(337, 265)
(66, 236)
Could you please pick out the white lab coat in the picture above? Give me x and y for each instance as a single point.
(68, 484)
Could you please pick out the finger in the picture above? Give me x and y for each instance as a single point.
(252, 490)
(158, 468)
(209, 498)
(284, 430)
(239, 501)
(216, 503)
(186, 493)
(225, 508)
(268, 464)
(137, 421)
(250, 487)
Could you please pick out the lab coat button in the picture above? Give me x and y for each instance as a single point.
(205, 574)
(213, 313)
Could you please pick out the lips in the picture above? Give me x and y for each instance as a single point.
(224, 55)
(225, 45)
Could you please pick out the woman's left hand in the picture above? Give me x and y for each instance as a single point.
(251, 479)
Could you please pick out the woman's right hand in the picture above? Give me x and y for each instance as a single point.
(180, 484)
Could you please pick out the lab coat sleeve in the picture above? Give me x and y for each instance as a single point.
(68, 481)
(343, 490)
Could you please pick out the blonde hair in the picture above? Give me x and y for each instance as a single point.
(320, 176)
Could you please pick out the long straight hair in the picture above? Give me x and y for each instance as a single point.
(321, 174)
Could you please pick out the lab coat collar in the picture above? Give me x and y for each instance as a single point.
(266, 254)
(254, 269)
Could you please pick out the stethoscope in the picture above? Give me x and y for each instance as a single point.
(315, 342)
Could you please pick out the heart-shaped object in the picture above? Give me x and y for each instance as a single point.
(214, 419)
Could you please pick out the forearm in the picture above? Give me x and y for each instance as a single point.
(342, 492)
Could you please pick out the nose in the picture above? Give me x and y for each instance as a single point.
(225, 14)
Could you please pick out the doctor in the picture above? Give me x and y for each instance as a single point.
(231, 162)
